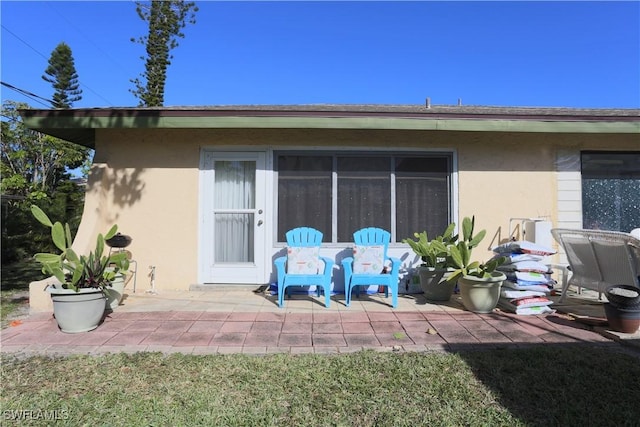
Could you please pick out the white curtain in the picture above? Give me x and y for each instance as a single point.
(234, 190)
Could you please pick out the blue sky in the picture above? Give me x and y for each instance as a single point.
(542, 53)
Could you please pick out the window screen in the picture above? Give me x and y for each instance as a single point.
(339, 194)
(611, 190)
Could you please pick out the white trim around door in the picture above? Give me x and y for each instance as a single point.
(233, 216)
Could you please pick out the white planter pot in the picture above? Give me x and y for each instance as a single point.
(481, 295)
(434, 283)
(79, 311)
(115, 292)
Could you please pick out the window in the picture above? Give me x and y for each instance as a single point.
(364, 192)
(304, 193)
(340, 193)
(611, 190)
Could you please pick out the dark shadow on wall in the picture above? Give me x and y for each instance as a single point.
(80, 126)
(126, 186)
(499, 239)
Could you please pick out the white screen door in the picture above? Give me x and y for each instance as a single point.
(234, 229)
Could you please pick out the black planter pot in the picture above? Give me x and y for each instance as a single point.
(624, 296)
(622, 320)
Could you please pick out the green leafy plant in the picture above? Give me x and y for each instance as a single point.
(434, 253)
(96, 270)
(460, 254)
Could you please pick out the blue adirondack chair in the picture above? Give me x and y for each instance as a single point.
(365, 268)
(301, 266)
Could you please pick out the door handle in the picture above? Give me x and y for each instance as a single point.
(259, 222)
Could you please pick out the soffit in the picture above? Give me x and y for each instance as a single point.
(79, 125)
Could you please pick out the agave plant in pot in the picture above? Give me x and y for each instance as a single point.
(479, 283)
(79, 300)
(434, 269)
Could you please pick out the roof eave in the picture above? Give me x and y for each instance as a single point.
(79, 126)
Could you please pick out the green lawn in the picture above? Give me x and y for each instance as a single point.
(537, 386)
(15, 286)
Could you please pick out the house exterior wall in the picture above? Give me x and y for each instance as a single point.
(147, 181)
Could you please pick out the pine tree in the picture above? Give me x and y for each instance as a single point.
(166, 20)
(61, 72)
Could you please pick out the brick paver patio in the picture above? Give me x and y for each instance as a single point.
(250, 323)
(261, 333)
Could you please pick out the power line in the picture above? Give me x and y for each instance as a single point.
(97, 94)
(39, 53)
(26, 44)
(84, 36)
(29, 95)
(72, 25)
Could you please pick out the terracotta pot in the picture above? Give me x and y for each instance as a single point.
(621, 320)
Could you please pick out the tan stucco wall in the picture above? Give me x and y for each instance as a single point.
(147, 182)
(505, 176)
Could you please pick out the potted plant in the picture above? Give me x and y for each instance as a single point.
(79, 300)
(434, 269)
(479, 283)
(623, 308)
